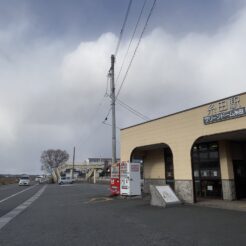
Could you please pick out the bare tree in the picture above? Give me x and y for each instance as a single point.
(53, 158)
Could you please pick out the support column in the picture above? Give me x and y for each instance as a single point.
(183, 173)
(94, 176)
(227, 174)
(184, 190)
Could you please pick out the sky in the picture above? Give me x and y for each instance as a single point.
(55, 57)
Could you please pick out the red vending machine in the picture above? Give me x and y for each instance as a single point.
(115, 179)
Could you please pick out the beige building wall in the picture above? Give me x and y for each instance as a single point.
(154, 164)
(179, 131)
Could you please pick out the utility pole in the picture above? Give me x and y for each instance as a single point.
(73, 162)
(112, 95)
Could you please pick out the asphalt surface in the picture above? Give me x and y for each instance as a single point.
(8, 190)
(15, 195)
(83, 214)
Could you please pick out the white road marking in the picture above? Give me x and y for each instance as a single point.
(5, 199)
(99, 199)
(5, 219)
(66, 185)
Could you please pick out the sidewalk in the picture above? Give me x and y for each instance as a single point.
(237, 205)
(231, 205)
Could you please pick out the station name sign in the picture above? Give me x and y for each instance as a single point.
(224, 110)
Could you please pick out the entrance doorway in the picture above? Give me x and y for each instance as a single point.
(206, 170)
(157, 162)
(239, 167)
(169, 172)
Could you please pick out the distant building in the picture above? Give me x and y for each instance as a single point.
(99, 161)
(68, 171)
(81, 169)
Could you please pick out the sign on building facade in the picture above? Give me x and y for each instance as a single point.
(224, 110)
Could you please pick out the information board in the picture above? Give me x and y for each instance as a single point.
(167, 194)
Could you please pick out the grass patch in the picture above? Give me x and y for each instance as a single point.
(8, 180)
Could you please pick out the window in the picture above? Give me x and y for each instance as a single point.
(206, 170)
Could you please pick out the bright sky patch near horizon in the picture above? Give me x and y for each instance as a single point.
(55, 56)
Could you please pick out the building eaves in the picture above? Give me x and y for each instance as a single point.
(182, 111)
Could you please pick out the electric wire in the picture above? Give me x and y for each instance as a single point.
(107, 124)
(106, 92)
(101, 102)
(136, 48)
(129, 108)
(106, 118)
(132, 110)
(123, 27)
(133, 56)
(130, 43)
(116, 51)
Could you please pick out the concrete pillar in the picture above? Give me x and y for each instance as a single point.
(183, 173)
(94, 176)
(227, 174)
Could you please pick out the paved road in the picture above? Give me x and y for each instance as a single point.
(7, 190)
(83, 214)
(13, 195)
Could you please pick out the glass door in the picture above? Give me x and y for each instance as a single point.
(206, 170)
(169, 172)
(240, 178)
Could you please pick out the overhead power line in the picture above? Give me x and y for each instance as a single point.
(100, 103)
(133, 56)
(116, 51)
(106, 117)
(106, 92)
(132, 110)
(107, 124)
(133, 35)
(129, 108)
(140, 38)
(123, 27)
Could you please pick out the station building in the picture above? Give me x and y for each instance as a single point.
(199, 152)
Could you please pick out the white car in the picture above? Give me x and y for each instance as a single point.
(38, 178)
(41, 179)
(25, 180)
(65, 180)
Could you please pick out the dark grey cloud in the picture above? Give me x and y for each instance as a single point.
(52, 88)
(87, 20)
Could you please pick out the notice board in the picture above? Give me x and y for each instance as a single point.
(163, 196)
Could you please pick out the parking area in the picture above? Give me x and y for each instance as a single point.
(84, 214)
